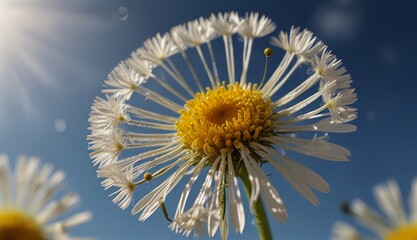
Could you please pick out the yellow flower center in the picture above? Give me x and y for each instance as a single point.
(407, 232)
(15, 225)
(223, 118)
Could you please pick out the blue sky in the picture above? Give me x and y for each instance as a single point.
(72, 45)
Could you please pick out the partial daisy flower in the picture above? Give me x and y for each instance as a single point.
(157, 49)
(191, 115)
(108, 112)
(395, 226)
(123, 81)
(304, 43)
(27, 207)
(114, 177)
(107, 145)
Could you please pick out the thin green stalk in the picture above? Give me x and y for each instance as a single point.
(258, 210)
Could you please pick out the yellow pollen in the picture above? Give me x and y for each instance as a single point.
(330, 104)
(119, 147)
(131, 186)
(320, 71)
(15, 225)
(121, 118)
(133, 86)
(147, 176)
(223, 118)
(407, 232)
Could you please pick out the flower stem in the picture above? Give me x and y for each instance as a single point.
(258, 210)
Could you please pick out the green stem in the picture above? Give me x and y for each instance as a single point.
(164, 211)
(258, 210)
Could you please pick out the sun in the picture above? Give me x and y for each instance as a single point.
(35, 36)
(26, 31)
(26, 45)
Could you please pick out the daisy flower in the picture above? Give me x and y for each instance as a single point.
(189, 107)
(395, 226)
(27, 207)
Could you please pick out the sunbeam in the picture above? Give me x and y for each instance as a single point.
(35, 38)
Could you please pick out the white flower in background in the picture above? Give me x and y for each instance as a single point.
(395, 226)
(177, 113)
(27, 207)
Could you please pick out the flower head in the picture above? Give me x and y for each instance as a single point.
(395, 226)
(108, 113)
(106, 145)
(156, 49)
(123, 81)
(254, 27)
(194, 33)
(27, 210)
(303, 43)
(225, 24)
(114, 177)
(216, 118)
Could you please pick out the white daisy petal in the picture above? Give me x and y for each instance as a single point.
(293, 179)
(187, 188)
(253, 178)
(324, 125)
(77, 219)
(413, 201)
(224, 227)
(55, 209)
(390, 200)
(343, 231)
(369, 217)
(5, 180)
(237, 213)
(49, 189)
(270, 195)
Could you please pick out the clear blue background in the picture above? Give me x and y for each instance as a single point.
(377, 41)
